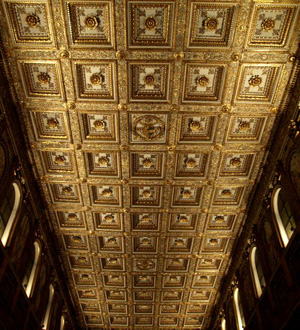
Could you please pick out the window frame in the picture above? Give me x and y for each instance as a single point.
(240, 323)
(47, 317)
(34, 270)
(281, 231)
(255, 277)
(14, 215)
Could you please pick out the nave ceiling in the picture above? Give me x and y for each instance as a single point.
(148, 124)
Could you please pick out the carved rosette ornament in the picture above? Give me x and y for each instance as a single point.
(103, 161)
(226, 193)
(255, 81)
(60, 160)
(213, 242)
(210, 23)
(190, 163)
(183, 219)
(150, 23)
(244, 126)
(147, 163)
(149, 80)
(91, 22)
(32, 20)
(145, 219)
(107, 193)
(147, 193)
(219, 219)
(72, 217)
(97, 79)
(268, 24)
(202, 81)
(52, 123)
(67, 190)
(195, 126)
(109, 218)
(99, 125)
(186, 194)
(43, 78)
(235, 162)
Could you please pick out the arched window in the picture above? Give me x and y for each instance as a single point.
(8, 211)
(223, 324)
(238, 310)
(31, 269)
(257, 272)
(284, 217)
(47, 317)
(62, 322)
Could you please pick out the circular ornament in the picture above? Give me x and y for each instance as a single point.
(91, 22)
(32, 20)
(150, 23)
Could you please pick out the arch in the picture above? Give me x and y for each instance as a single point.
(13, 214)
(223, 324)
(46, 321)
(257, 272)
(283, 215)
(62, 322)
(238, 310)
(29, 282)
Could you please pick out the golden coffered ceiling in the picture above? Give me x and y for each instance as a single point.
(148, 123)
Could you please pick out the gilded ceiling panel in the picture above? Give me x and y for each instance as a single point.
(148, 123)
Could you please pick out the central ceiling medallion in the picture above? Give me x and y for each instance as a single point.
(52, 123)
(43, 78)
(195, 126)
(183, 219)
(255, 81)
(190, 163)
(186, 194)
(145, 218)
(109, 218)
(147, 163)
(77, 239)
(219, 219)
(147, 193)
(268, 24)
(60, 160)
(72, 217)
(244, 126)
(32, 20)
(210, 23)
(97, 79)
(213, 241)
(149, 80)
(91, 22)
(107, 193)
(99, 124)
(226, 193)
(236, 162)
(202, 81)
(66, 190)
(103, 161)
(150, 23)
(148, 128)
